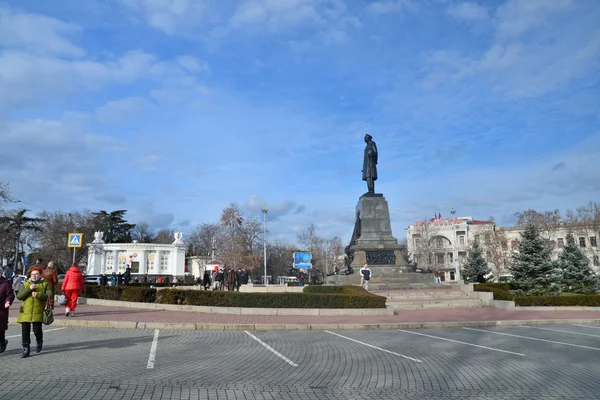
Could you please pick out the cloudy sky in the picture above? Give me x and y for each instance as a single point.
(172, 109)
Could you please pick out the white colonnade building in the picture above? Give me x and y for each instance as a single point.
(143, 258)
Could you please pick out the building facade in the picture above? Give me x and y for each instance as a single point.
(143, 258)
(443, 244)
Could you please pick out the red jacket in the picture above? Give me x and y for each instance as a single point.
(73, 280)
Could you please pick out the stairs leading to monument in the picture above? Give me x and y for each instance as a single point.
(446, 296)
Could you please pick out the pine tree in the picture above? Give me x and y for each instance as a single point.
(577, 275)
(532, 267)
(476, 266)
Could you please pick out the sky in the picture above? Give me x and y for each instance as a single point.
(173, 109)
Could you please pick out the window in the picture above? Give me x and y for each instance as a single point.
(439, 242)
(477, 238)
(450, 258)
(417, 241)
(514, 244)
(596, 261)
(164, 261)
(593, 242)
(581, 242)
(462, 256)
(439, 258)
(504, 245)
(109, 261)
(488, 237)
(122, 260)
(560, 243)
(461, 239)
(150, 262)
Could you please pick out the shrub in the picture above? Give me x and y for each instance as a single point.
(558, 301)
(138, 294)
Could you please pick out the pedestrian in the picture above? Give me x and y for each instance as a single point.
(113, 279)
(313, 275)
(231, 279)
(39, 263)
(51, 277)
(438, 279)
(8, 273)
(365, 276)
(145, 278)
(206, 280)
(33, 294)
(301, 278)
(7, 296)
(220, 280)
(127, 275)
(72, 286)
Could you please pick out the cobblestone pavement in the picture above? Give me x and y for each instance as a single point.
(517, 362)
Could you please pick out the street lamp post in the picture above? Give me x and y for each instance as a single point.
(265, 211)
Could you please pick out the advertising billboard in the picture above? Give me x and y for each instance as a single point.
(302, 260)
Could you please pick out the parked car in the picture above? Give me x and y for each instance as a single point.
(92, 279)
(61, 277)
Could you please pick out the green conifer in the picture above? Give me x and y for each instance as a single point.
(476, 267)
(577, 274)
(534, 272)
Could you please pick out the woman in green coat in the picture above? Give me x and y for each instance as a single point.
(34, 293)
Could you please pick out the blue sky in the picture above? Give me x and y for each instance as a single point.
(172, 109)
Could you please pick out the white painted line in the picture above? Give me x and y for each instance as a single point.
(530, 338)
(375, 347)
(558, 330)
(45, 331)
(587, 326)
(152, 356)
(278, 354)
(465, 343)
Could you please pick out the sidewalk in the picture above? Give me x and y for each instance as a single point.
(121, 317)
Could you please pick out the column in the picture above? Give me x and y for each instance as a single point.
(157, 256)
(142, 260)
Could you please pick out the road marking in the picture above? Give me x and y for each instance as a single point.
(587, 326)
(558, 330)
(45, 331)
(152, 356)
(465, 343)
(375, 347)
(278, 354)
(530, 338)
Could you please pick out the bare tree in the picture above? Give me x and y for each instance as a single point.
(545, 221)
(142, 233)
(496, 250)
(423, 247)
(5, 196)
(231, 223)
(280, 257)
(164, 236)
(200, 240)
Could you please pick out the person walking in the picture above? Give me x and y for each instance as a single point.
(301, 277)
(365, 276)
(33, 294)
(7, 296)
(72, 286)
(206, 280)
(8, 273)
(51, 277)
(438, 279)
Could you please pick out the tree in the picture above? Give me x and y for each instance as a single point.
(116, 229)
(533, 270)
(476, 267)
(5, 196)
(231, 225)
(142, 233)
(545, 221)
(577, 275)
(496, 248)
(423, 245)
(14, 225)
(164, 236)
(200, 240)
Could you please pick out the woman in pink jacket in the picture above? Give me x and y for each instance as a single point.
(72, 285)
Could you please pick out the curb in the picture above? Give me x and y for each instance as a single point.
(295, 327)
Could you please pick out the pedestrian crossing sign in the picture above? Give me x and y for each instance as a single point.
(75, 239)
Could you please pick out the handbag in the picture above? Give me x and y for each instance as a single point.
(62, 299)
(48, 314)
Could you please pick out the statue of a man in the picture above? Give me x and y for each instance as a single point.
(369, 171)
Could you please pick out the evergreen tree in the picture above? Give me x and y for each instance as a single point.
(532, 267)
(476, 267)
(577, 275)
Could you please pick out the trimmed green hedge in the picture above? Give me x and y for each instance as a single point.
(347, 289)
(124, 293)
(502, 292)
(268, 300)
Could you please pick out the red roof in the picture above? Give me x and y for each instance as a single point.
(477, 222)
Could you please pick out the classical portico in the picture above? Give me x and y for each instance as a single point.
(143, 258)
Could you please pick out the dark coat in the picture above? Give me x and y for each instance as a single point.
(6, 294)
(50, 276)
(370, 162)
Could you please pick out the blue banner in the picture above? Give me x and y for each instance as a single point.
(302, 260)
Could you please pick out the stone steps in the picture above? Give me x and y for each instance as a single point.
(424, 295)
(456, 303)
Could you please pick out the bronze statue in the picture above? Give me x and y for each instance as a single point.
(369, 171)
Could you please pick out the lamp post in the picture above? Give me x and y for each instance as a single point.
(265, 211)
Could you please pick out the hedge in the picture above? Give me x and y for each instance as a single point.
(501, 292)
(268, 300)
(124, 293)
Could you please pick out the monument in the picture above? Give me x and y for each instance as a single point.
(372, 240)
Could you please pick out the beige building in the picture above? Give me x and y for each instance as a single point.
(443, 244)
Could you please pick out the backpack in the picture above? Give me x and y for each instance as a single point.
(17, 283)
(367, 274)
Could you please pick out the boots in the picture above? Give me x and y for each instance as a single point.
(3, 346)
(25, 353)
(38, 347)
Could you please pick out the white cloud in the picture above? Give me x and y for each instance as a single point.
(117, 110)
(468, 11)
(37, 34)
(516, 17)
(276, 13)
(389, 7)
(170, 16)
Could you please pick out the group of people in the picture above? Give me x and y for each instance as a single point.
(36, 295)
(231, 279)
